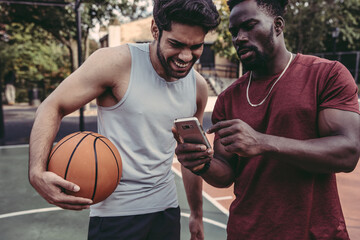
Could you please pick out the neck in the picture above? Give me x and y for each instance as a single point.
(274, 66)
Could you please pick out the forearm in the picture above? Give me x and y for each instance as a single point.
(42, 136)
(219, 174)
(193, 189)
(320, 155)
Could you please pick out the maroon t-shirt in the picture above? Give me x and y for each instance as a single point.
(275, 200)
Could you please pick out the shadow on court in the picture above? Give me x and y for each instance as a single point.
(24, 215)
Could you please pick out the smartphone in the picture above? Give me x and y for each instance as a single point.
(191, 131)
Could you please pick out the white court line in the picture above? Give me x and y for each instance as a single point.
(207, 196)
(223, 198)
(41, 210)
(14, 214)
(14, 146)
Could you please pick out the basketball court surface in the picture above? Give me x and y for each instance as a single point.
(24, 215)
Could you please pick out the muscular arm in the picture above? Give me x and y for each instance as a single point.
(221, 172)
(336, 150)
(88, 82)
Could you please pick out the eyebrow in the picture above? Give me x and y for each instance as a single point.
(243, 24)
(183, 44)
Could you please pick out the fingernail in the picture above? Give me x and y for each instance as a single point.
(203, 148)
(76, 188)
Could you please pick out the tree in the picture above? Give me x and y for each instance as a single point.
(309, 26)
(60, 22)
(34, 55)
(223, 44)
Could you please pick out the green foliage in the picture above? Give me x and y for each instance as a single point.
(32, 53)
(309, 26)
(349, 23)
(43, 39)
(60, 22)
(223, 44)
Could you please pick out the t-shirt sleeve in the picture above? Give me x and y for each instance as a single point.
(218, 113)
(339, 90)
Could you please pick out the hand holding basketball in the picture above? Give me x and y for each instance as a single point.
(88, 160)
(50, 186)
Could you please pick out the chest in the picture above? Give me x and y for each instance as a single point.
(157, 102)
(289, 110)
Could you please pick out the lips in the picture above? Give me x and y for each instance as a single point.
(180, 65)
(245, 53)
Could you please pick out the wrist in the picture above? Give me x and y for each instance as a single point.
(269, 144)
(197, 213)
(34, 175)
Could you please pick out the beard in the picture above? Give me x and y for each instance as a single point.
(165, 63)
(261, 58)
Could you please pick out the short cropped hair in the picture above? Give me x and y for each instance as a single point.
(272, 7)
(201, 13)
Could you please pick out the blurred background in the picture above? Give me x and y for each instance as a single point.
(40, 40)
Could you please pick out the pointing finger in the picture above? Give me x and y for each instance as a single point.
(220, 125)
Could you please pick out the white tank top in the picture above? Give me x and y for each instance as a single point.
(140, 127)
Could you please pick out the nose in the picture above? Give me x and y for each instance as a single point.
(186, 55)
(240, 37)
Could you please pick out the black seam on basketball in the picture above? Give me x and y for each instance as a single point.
(92, 134)
(47, 166)
(116, 160)
(96, 169)
(72, 154)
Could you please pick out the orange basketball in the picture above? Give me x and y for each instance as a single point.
(89, 160)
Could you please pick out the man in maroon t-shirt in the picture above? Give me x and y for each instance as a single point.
(282, 131)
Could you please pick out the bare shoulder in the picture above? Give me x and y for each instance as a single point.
(108, 66)
(201, 84)
(199, 78)
(201, 94)
(114, 74)
(114, 58)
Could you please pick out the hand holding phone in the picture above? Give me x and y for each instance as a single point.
(191, 131)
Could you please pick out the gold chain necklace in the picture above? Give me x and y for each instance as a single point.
(247, 89)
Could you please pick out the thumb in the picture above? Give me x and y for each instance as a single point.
(67, 185)
(176, 135)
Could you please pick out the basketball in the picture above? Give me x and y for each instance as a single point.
(89, 160)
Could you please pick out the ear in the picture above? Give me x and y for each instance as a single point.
(279, 24)
(154, 30)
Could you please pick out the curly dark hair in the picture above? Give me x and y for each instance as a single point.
(272, 7)
(201, 13)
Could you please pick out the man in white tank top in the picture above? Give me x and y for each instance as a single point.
(140, 89)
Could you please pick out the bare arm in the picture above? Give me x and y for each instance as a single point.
(192, 182)
(221, 171)
(335, 151)
(90, 81)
